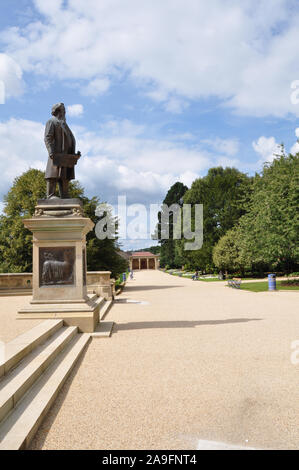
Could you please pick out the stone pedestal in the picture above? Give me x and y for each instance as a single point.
(59, 265)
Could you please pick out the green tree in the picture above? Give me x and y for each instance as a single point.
(226, 252)
(168, 255)
(224, 194)
(269, 231)
(16, 240)
(152, 249)
(102, 255)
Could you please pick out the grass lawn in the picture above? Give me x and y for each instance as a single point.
(224, 280)
(207, 279)
(189, 276)
(263, 286)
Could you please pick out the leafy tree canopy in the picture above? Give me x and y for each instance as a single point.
(224, 193)
(168, 255)
(269, 232)
(152, 249)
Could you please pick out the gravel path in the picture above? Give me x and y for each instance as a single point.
(193, 361)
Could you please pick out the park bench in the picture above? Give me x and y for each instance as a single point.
(235, 282)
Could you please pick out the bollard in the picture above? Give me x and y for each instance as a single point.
(272, 282)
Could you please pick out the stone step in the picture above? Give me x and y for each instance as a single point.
(105, 309)
(101, 301)
(17, 430)
(18, 381)
(19, 347)
(103, 330)
(14, 291)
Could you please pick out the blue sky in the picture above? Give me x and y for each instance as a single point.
(164, 90)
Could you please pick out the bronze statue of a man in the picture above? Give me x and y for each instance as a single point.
(60, 142)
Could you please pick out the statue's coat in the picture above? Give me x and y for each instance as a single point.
(59, 139)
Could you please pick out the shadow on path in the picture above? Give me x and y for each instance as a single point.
(177, 324)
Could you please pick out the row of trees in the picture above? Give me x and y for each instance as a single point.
(266, 237)
(250, 224)
(16, 240)
(152, 249)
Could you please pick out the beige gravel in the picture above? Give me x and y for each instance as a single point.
(199, 361)
(10, 327)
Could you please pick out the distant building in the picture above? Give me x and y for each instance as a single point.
(144, 260)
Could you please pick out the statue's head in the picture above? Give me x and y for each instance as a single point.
(58, 110)
(48, 256)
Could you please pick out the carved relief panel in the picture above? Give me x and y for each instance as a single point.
(56, 266)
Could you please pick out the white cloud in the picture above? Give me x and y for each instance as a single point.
(22, 147)
(187, 177)
(243, 53)
(124, 127)
(116, 159)
(295, 148)
(230, 162)
(96, 87)
(75, 110)
(226, 146)
(267, 148)
(176, 106)
(10, 76)
(49, 7)
(119, 158)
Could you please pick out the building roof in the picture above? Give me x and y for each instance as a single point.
(143, 254)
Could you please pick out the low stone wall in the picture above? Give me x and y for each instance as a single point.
(98, 282)
(113, 289)
(15, 281)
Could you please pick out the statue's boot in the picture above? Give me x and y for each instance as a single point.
(51, 187)
(63, 189)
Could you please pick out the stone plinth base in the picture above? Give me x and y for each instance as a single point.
(56, 207)
(59, 287)
(83, 314)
